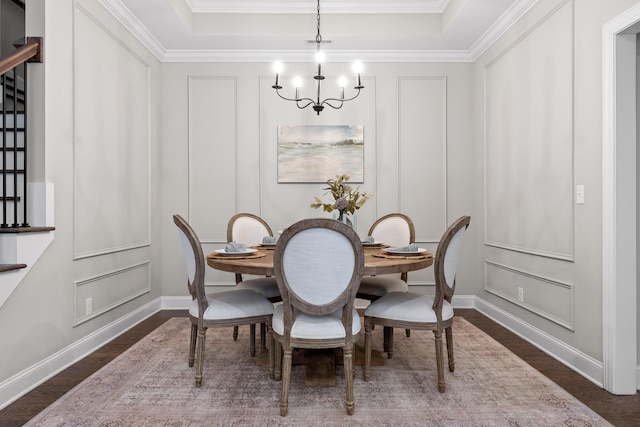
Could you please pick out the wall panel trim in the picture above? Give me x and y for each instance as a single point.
(131, 296)
(568, 324)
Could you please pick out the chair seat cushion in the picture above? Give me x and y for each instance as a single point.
(408, 307)
(381, 285)
(235, 304)
(315, 327)
(265, 286)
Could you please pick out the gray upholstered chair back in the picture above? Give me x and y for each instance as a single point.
(318, 264)
(394, 229)
(447, 258)
(194, 261)
(248, 229)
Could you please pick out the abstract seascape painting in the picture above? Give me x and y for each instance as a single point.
(316, 153)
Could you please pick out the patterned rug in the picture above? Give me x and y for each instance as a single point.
(150, 385)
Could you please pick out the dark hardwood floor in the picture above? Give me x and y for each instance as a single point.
(619, 410)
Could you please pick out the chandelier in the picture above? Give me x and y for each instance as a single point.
(318, 105)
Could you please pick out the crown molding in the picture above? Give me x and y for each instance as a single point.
(353, 6)
(506, 21)
(303, 56)
(129, 21)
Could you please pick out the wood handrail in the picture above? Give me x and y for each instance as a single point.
(31, 51)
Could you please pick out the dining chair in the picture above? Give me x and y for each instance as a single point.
(250, 229)
(419, 311)
(318, 265)
(396, 230)
(214, 310)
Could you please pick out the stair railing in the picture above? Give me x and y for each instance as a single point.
(13, 126)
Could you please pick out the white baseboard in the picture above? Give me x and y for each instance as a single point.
(25, 381)
(580, 362)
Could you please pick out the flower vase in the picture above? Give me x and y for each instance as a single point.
(344, 218)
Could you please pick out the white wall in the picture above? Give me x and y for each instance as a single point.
(219, 153)
(512, 133)
(541, 125)
(96, 146)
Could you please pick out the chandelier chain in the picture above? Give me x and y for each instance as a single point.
(318, 36)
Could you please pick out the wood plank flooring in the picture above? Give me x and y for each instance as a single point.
(619, 410)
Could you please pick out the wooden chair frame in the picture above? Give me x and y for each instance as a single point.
(285, 343)
(443, 292)
(403, 276)
(196, 288)
(238, 276)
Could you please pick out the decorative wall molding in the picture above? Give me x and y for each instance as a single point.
(118, 240)
(213, 131)
(112, 305)
(408, 162)
(540, 311)
(564, 192)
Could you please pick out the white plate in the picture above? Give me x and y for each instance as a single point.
(372, 243)
(223, 252)
(395, 252)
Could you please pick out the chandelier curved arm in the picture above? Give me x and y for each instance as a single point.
(296, 100)
(340, 100)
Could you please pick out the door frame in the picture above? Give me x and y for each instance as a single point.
(619, 282)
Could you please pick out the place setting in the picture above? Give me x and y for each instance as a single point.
(371, 242)
(235, 250)
(411, 251)
(268, 242)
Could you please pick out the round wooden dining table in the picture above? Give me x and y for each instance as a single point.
(376, 261)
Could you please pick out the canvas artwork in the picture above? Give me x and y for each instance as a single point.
(315, 153)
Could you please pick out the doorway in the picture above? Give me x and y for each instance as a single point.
(619, 236)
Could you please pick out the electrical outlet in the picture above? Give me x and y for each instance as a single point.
(520, 294)
(580, 194)
(88, 305)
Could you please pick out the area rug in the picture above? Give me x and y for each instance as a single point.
(151, 385)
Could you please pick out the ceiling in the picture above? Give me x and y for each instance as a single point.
(370, 30)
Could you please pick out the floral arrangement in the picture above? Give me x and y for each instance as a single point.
(346, 200)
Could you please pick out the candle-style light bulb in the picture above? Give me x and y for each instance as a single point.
(297, 83)
(320, 57)
(357, 69)
(342, 82)
(277, 68)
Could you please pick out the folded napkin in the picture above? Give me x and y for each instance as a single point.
(411, 248)
(369, 239)
(269, 240)
(235, 247)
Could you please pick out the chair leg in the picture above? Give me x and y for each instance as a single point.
(192, 344)
(235, 333)
(367, 348)
(449, 335)
(277, 357)
(252, 339)
(385, 339)
(348, 377)
(200, 356)
(390, 344)
(286, 378)
(272, 354)
(263, 336)
(439, 360)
